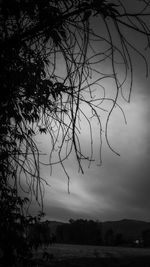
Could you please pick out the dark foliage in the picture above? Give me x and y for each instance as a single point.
(15, 246)
(146, 238)
(126, 233)
(39, 235)
(80, 232)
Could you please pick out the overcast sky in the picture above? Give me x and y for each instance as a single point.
(120, 188)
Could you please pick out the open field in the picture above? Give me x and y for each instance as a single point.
(63, 255)
(63, 251)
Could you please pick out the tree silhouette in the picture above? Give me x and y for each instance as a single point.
(85, 232)
(109, 237)
(146, 238)
(50, 69)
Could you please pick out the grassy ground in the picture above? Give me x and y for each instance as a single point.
(101, 262)
(60, 255)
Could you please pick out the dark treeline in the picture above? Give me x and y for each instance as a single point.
(80, 232)
(91, 232)
(88, 232)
